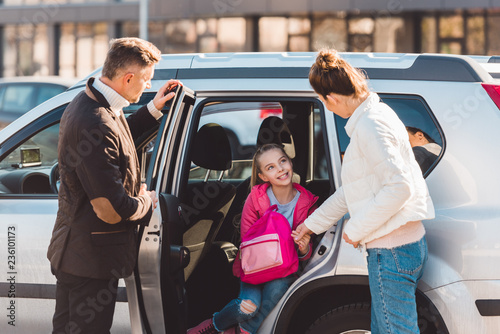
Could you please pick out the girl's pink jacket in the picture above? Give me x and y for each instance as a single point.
(258, 202)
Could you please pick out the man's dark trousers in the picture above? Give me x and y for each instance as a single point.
(84, 305)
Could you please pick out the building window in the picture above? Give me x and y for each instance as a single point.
(429, 34)
(82, 48)
(387, 32)
(180, 36)
(207, 35)
(451, 34)
(360, 38)
(285, 34)
(231, 34)
(41, 51)
(130, 29)
(329, 32)
(156, 34)
(475, 34)
(493, 24)
(273, 34)
(10, 51)
(25, 37)
(67, 51)
(101, 44)
(299, 30)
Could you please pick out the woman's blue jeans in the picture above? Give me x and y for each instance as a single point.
(264, 296)
(393, 275)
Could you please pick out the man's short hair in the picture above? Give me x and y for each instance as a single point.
(129, 51)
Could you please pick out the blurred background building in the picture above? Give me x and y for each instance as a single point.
(71, 37)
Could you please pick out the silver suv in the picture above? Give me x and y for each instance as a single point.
(184, 273)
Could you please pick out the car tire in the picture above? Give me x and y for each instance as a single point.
(347, 319)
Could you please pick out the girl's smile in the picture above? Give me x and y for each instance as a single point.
(275, 168)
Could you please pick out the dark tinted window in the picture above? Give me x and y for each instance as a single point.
(413, 112)
(47, 92)
(18, 98)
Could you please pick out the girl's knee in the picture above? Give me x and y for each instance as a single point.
(247, 306)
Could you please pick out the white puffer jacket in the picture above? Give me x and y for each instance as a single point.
(382, 184)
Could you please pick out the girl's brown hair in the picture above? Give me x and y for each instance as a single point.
(255, 179)
(332, 74)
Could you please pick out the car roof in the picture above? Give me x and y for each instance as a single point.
(390, 66)
(64, 81)
(490, 64)
(291, 65)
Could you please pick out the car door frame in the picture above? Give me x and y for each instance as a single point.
(156, 291)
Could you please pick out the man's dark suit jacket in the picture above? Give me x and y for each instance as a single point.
(98, 167)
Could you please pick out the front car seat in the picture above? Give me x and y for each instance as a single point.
(206, 203)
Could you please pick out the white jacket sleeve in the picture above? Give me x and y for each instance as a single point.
(328, 213)
(382, 152)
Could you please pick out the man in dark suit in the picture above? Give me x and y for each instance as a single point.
(101, 198)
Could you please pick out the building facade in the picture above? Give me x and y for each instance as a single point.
(71, 37)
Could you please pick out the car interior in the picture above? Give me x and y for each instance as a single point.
(209, 280)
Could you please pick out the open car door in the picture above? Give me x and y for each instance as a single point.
(156, 292)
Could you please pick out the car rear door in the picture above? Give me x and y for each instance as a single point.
(159, 301)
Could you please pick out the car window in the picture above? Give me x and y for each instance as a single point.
(45, 141)
(319, 150)
(47, 92)
(18, 98)
(37, 154)
(241, 121)
(26, 170)
(2, 93)
(413, 112)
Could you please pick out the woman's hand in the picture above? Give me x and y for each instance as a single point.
(349, 241)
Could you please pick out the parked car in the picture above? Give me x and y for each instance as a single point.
(183, 273)
(20, 94)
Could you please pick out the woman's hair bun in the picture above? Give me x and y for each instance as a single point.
(328, 60)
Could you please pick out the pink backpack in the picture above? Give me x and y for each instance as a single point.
(267, 250)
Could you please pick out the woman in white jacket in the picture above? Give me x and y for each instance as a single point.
(382, 189)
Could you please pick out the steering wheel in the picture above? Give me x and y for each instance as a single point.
(54, 178)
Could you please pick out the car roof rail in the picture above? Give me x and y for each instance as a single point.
(429, 67)
(494, 59)
(381, 66)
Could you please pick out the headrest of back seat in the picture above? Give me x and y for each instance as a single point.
(274, 130)
(211, 148)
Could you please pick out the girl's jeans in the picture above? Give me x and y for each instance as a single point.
(393, 275)
(265, 296)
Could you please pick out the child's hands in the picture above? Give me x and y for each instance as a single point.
(303, 244)
(302, 237)
(300, 231)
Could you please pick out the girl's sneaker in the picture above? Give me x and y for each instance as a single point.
(206, 327)
(241, 331)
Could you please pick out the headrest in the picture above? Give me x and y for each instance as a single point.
(211, 148)
(274, 130)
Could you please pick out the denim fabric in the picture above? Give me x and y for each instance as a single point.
(265, 296)
(393, 275)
